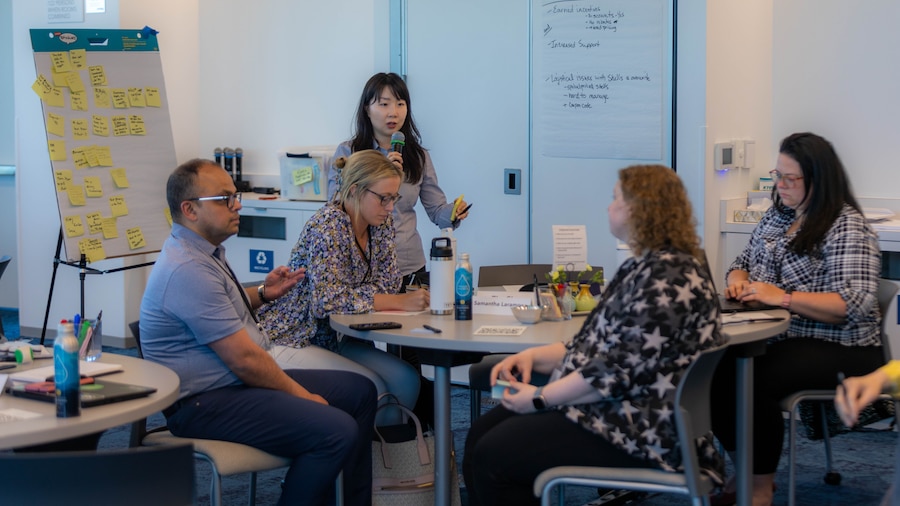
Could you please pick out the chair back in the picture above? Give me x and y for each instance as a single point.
(693, 417)
(136, 476)
(135, 327)
(518, 274)
(886, 292)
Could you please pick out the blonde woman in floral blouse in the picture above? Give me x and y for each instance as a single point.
(612, 390)
(347, 248)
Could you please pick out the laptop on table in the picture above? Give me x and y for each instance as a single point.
(96, 393)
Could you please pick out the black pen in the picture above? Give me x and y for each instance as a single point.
(8, 366)
(456, 221)
(433, 329)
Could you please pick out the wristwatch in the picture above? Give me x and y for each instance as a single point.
(786, 299)
(261, 291)
(540, 403)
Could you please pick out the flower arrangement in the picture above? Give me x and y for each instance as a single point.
(561, 275)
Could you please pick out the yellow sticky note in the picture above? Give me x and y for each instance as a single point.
(90, 152)
(55, 98)
(95, 222)
(153, 99)
(136, 125)
(104, 156)
(61, 79)
(136, 97)
(74, 226)
(92, 248)
(60, 61)
(57, 150)
(80, 129)
(101, 98)
(98, 75)
(120, 179)
(80, 158)
(119, 125)
(78, 58)
(168, 213)
(302, 176)
(76, 194)
(100, 125)
(63, 179)
(93, 187)
(135, 238)
(109, 228)
(74, 82)
(119, 98)
(41, 86)
(79, 101)
(56, 124)
(117, 205)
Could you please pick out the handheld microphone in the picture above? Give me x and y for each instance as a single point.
(238, 161)
(229, 155)
(398, 140)
(218, 153)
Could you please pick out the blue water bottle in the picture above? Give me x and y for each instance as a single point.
(65, 371)
(462, 288)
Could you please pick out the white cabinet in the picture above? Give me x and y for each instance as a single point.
(268, 231)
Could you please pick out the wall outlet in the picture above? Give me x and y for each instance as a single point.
(512, 181)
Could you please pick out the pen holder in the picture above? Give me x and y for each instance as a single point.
(90, 340)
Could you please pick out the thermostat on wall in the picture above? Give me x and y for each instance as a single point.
(725, 158)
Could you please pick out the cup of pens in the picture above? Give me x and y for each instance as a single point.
(90, 340)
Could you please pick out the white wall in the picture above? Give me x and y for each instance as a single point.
(738, 96)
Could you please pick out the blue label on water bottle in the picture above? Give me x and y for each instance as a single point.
(463, 291)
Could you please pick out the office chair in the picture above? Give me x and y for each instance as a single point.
(479, 373)
(133, 476)
(224, 457)
(692, 421)
(791, 403)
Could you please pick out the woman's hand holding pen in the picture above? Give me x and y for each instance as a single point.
(855, 393)
(416, 300)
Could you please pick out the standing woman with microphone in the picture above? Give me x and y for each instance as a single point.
(384, 122)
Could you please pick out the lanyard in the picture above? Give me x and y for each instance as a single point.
(225, 267)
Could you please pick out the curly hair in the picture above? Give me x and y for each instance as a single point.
(660, 211)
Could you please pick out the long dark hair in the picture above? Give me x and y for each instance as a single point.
(826, 184)
(413, 152)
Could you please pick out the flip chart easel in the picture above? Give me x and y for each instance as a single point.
(109, 137)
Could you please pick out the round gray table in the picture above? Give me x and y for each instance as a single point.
(47, 428)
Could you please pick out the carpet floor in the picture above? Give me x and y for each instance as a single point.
(864, 458)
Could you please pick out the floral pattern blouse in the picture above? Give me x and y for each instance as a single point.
(658, 313)
(340, 279)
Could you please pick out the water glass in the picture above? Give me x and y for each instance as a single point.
(91, 342)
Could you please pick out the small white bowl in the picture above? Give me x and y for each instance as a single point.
(527, 314)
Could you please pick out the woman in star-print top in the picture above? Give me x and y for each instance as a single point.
(611, 396)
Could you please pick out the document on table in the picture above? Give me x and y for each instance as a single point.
(500, 330)
(85, 368)
(750, 317)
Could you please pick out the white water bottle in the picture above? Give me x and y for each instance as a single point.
(441, 276)
(65, 371)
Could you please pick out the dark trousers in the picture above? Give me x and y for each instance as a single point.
(321, 440)
(787, 367)
(505, 452)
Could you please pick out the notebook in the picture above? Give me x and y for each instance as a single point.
(736, 306)
(98, 393)
(85, 369)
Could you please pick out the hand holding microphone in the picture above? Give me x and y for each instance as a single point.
(398, 141)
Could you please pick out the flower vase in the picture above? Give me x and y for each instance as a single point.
(584, 301)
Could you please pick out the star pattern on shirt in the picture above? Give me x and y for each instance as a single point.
(654, 318)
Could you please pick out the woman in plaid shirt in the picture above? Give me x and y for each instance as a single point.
(814, 254)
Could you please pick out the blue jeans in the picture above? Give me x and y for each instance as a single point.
(321, 440)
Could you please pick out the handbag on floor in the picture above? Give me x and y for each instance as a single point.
(403, 463)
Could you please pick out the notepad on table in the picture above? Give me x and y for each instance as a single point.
(85, 368)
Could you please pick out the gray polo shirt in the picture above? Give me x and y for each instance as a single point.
(190, 302)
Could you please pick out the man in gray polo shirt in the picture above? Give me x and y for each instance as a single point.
(199, 321)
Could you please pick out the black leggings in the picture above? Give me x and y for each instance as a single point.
(787, 367)
(505, 452)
